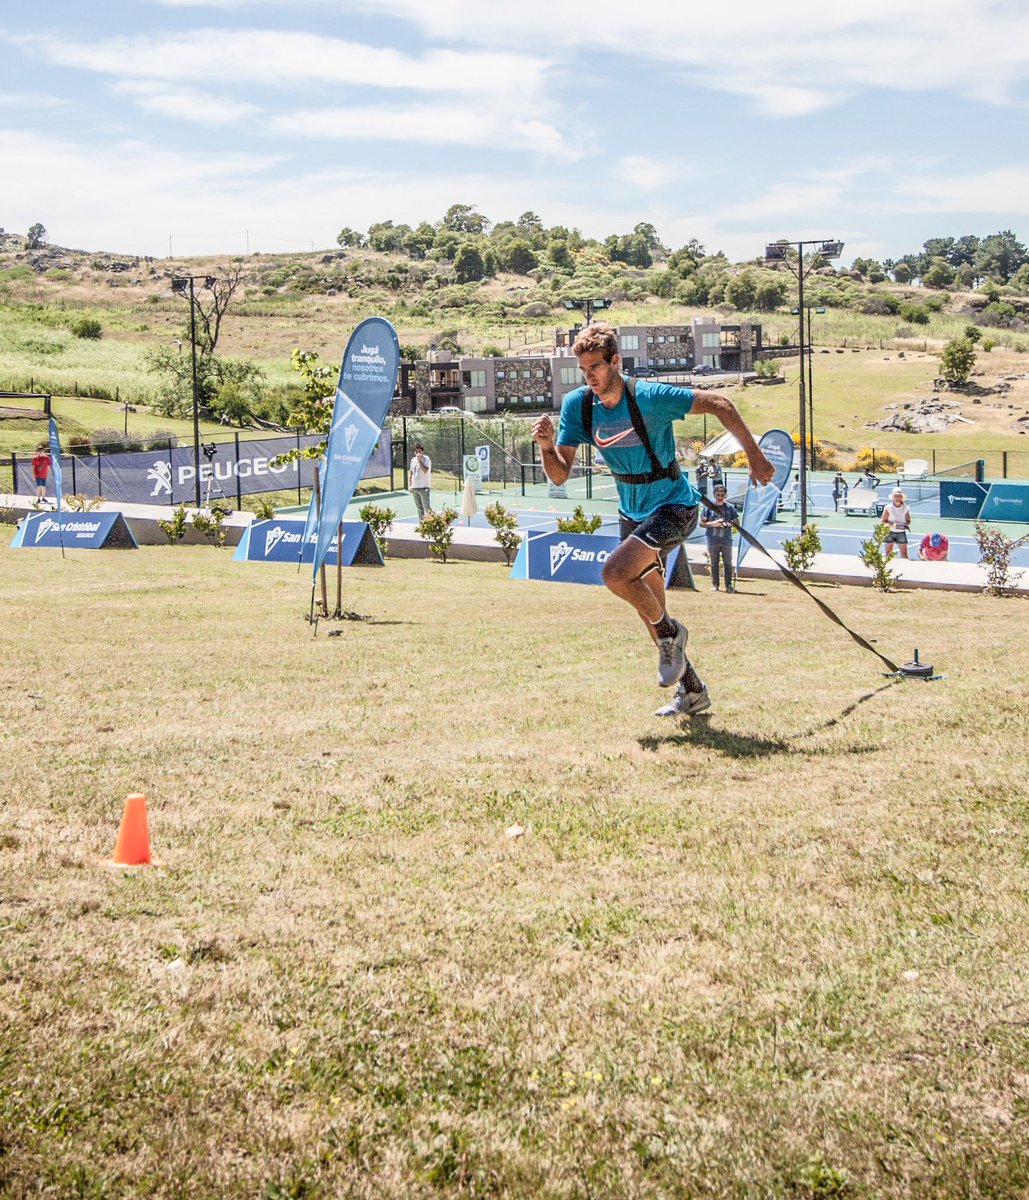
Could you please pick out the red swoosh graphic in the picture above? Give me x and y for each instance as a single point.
(604, 442)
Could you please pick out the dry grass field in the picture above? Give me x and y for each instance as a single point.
(777, 951)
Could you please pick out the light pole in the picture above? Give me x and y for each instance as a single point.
(812, 457)
(181, 284)
(779, 252)
(588, 307)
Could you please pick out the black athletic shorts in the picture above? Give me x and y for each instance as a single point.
(665, 528)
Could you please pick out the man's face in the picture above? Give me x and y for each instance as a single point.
(719, 495)
(599, 374)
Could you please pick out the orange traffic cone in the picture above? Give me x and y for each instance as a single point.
(133, 846)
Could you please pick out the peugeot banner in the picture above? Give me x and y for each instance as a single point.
(166, 476)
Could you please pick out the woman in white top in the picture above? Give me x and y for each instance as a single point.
(897, 519)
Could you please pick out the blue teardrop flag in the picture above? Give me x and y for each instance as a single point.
(367, 379)
(55, 463)
(759, 502)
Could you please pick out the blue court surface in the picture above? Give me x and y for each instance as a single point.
(839, 533)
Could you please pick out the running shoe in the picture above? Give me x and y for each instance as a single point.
(671, 662)
(686, 704)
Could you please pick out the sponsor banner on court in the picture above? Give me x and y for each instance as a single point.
(962, 498)
(75, 531)
(168, 476)
(286, 541)
(570, 557)
(1006, 502)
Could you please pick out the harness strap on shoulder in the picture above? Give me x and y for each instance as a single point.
(657, 472)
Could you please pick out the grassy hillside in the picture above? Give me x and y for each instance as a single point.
(305, 301)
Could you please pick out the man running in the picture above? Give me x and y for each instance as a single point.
(632, 427)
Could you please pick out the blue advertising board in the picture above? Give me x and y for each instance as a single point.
(962, 498)
(78, 531)
(1006, 502)
(571, 558)
(281, 540)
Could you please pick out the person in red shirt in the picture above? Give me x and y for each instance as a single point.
(41, 469)
(934, 547)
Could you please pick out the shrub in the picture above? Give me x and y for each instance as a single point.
(995, 550)
(79, 444)
(175, 529)
(957, 360)
(161, 439)
(210, 523)
(800, 551)
(438, 531)
(766, 368)
(876, 460)
(380, 521)
(578, 522)
(873, 557)
(79, 503)
(506, 526)
(264, 508)
(989, 344)
(88, 327)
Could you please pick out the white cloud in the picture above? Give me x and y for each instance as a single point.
(649, 172)
(423, 124)
(290, 60)
(186, 104)
(1003, 190)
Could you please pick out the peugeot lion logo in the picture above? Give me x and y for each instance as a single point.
(558, 554)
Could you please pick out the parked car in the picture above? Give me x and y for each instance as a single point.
(703, 369)
(450, 410)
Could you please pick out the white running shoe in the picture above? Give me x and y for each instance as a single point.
(686, 704)
(671, 663)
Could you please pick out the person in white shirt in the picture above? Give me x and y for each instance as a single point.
(420, 481)
(897, 519)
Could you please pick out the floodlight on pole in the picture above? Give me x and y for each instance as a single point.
(588, 306)
(776, 252)
(181, 285)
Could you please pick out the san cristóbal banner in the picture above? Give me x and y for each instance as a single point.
(367, 379)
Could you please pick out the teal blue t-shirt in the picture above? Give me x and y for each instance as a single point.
(614, 436)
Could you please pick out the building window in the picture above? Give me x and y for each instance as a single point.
(570, 375)
(476, 404)
(711, 339)
(476, 379)
(630, 341)
(501, 375)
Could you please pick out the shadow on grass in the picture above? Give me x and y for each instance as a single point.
(698, 731)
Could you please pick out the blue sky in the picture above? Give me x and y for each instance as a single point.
(198, 126)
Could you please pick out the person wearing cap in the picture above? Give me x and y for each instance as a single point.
(897, 519)
(420, 481)
(934, 547)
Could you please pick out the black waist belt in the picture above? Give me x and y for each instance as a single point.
(672, 471)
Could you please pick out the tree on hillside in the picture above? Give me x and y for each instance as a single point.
(518, 257)
(212, 303)
(940, 273)
(1000, 255)
(419, 242)
(36, 236)
(469, 264)
(349, 237)
(957, 360)
(462, 218)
